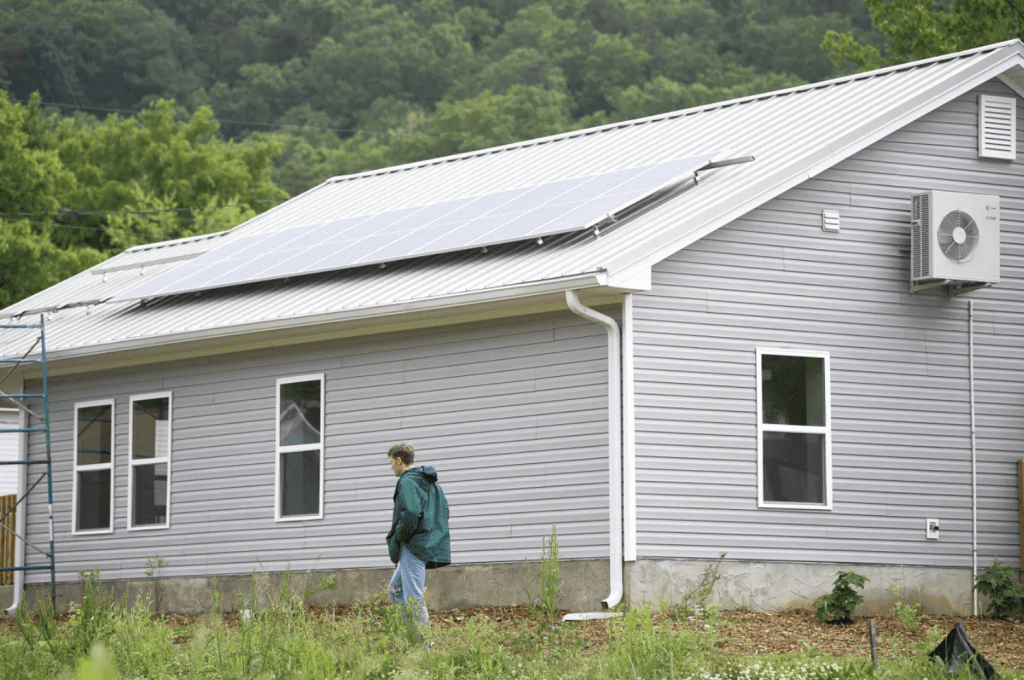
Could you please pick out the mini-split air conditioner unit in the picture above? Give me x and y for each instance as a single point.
(954, 239)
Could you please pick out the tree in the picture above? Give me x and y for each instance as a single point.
(154, 177)
(30, 262)
(76, 190)
(918, 29)
(95, 53)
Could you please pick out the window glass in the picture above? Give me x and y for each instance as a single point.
(93, 435)
(93, 499)
(299, 413)
(794, 467)
(793, 390)
(149, 488)
(300, 483)
(150, 434)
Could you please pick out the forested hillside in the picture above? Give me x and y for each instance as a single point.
(347, 85)
(130, 121)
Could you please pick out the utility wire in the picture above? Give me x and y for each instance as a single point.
(77, 107)
(69, 211)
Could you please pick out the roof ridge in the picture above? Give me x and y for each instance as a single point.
(668, 115)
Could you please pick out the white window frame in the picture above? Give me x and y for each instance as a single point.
(75, 531)
(279, 450)
(132, 463)
(825, 429)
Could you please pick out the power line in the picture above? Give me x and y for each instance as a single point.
(77, 107)
(71, 212)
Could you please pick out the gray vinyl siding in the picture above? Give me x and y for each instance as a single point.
(899, 367)
(513, 414)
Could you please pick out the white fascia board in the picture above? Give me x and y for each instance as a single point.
(820, 159)
(478, 305)
(1011, 83)
(632, 279)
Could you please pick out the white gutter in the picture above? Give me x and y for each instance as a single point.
(974, 455)
(614, 443)
(21, 521)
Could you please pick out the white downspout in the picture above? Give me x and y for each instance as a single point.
(628, 434)
(974, 456)
(21, 521)
(614, 443)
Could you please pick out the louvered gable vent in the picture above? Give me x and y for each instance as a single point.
(997, 127)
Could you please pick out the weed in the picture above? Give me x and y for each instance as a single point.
(907, 612)
(1006, 594)
(548, 580)
(155, 566)
(840, 603)
(694, 604)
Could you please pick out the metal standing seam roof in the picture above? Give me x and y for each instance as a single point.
(793, 134)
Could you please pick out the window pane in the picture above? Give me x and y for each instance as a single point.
(94, 500)
(150, 432)
(150, 490)
(792, 390)
(300, 483)
(300, 413)
(93, 435)
(794, 467)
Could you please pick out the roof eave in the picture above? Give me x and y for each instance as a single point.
(507, 301)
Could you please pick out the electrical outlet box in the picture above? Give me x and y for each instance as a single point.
(931, 529)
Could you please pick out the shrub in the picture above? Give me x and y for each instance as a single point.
(840, 603)
(908, 613)
(999, 583)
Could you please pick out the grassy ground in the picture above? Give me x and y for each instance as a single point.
(102, 640)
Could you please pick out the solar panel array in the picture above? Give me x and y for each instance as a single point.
(491, 219)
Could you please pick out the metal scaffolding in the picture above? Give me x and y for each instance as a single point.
(43, 426)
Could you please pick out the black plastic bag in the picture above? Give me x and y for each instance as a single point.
(957, 652)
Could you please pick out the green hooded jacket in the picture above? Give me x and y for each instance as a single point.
(420, 518)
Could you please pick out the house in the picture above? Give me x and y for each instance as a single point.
(739, 336)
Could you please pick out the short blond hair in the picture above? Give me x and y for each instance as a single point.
(404, 452)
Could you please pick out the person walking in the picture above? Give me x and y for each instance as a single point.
(419, 537)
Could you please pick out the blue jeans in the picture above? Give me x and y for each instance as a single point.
(407, 584)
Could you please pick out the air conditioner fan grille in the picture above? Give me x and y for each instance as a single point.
(958, 236)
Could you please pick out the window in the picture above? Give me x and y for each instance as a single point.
(94, 467)
(794, 449)
(149, 480)
(299, 480)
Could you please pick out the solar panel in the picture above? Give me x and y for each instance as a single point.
(502, 217)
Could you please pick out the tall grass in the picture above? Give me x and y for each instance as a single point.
(280, 638)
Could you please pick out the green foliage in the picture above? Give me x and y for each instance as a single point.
(97, 666)
(840, 603)
(796, 667)
(283, 640)
(1001, 585)
(217, 103)
(133, 180)
(550, 594)
(909, 613)
(641, 648)
(88, 624)
(695, 602)
(918, 29)
(153, 177)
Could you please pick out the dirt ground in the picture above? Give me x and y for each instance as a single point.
(796, 630)
(740, 632)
